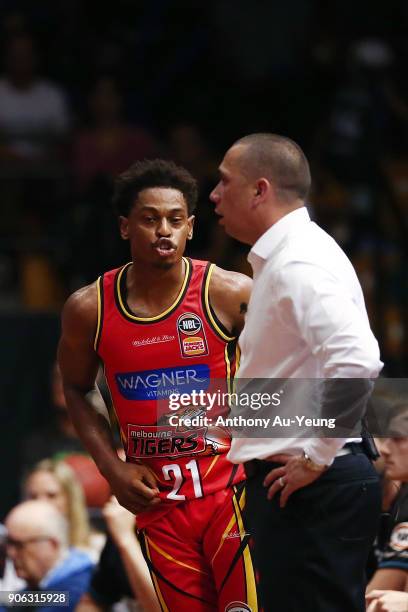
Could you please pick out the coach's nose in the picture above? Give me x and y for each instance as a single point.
(214, 195)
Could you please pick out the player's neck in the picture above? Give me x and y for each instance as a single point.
(149, 282)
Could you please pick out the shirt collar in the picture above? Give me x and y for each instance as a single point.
(45, 579)
(271, 239)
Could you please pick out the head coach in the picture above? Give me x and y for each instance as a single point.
(313, 502)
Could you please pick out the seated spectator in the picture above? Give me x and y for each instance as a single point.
(389, 486)
(54, 481)
(33, 114)
(9, 581)
(392, 544)
(38, 545)
(108, 145)
(122, 571)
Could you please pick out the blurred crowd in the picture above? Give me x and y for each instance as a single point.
(78, 106)
(67, 533)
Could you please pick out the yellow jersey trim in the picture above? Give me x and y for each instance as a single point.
(222, 540)
(210, 467)
(170, 558)
(162, 314)
(252, 599)
(232, 521)
(228, 364)
(237, 357)
(208, 309)
(99, 321)
(154, 579)
(237, 364)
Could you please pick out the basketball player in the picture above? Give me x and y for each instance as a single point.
(165, 324)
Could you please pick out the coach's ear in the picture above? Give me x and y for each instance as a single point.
(190, 222)
(124, 228)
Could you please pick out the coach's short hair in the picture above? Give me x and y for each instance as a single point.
(149, 174)
(278, 159)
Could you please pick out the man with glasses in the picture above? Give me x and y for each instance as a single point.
(37, 544)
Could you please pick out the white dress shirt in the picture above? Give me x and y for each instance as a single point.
(306, 319)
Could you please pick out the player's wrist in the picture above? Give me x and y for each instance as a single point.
(123, 540)
(111, 467)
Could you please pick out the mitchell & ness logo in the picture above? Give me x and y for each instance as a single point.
(153, 340)
(235, 534)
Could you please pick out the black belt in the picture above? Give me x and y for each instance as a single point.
(257, 466)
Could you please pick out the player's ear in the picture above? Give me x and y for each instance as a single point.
(190, 223)
(124, 228)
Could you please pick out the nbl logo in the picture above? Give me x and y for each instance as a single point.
(191, 335)
(189, 324)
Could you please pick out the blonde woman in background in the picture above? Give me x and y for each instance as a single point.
(56, 482)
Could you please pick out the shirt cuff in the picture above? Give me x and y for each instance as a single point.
(323, 450)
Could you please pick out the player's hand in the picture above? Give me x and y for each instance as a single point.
(293, 475)
(387, 601)
(134, 486)
(119, 521)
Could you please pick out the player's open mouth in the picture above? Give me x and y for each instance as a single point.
(164, 247)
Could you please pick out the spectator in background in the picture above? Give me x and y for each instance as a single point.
(122, 571)
(105, 146)
(188, 147)
(34, 122)
(108, 145)
(58, 437)
(33, 114)
(38, 544)
(9, 581)
(354, 134)
(392, 545)
(54, 481)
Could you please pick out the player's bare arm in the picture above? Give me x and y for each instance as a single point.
(229, 294)
(133, 485)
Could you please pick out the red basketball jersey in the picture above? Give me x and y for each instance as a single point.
(184, 350)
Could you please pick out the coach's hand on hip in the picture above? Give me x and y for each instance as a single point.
(294, 474)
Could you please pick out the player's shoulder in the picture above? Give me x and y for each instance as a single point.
(82, 305)
(227, 282)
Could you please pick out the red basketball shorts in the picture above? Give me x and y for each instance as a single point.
(199, 556)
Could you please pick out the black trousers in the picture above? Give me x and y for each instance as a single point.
(311, 555)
